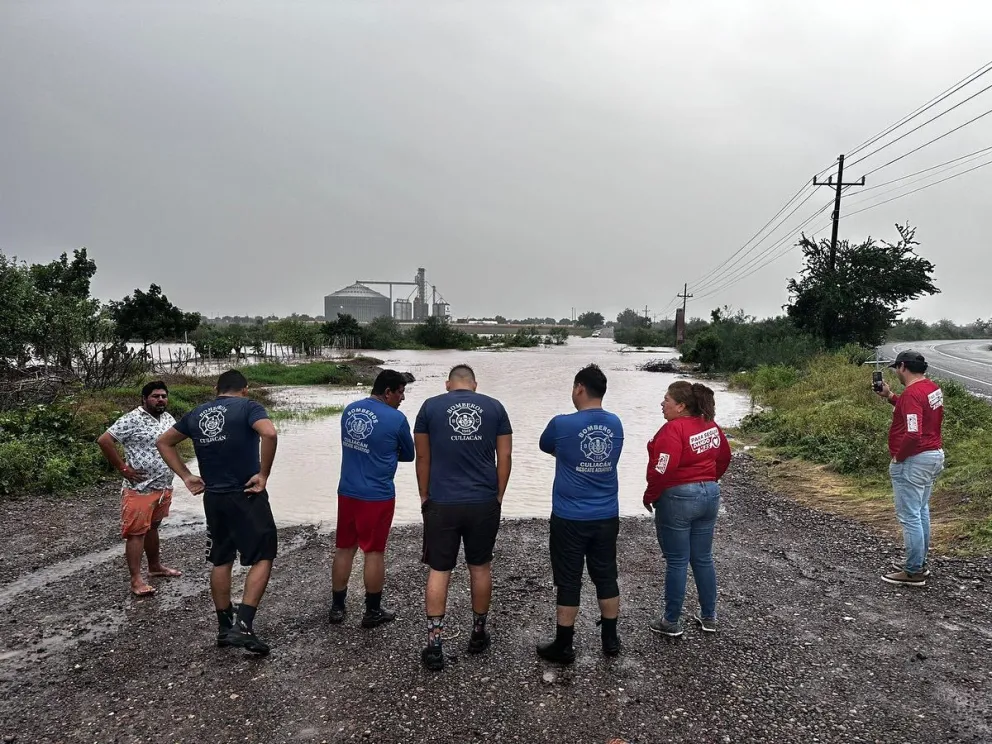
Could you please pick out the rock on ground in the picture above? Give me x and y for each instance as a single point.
(812, 648)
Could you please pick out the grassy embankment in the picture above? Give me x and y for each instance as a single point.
(822, 433)
(51, 448)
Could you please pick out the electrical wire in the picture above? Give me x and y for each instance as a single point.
(921, 188)
(966, 80)
(919, 127)
(715, 275)
(927, 144)
(925, 170)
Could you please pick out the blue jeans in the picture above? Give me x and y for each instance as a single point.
(912, 484)
(684, 518)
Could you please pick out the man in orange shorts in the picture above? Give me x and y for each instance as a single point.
(147, 490)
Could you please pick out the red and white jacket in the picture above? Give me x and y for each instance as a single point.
(917, 420)
(685, 450)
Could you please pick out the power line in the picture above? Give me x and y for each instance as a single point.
(921, 188)
(715, 274)
(927, 144)
(967, 79)
(755, 261)
(763, 227)
(925, 170)
(919, 127)
(946, 167)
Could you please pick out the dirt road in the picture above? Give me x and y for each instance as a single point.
(813, 648)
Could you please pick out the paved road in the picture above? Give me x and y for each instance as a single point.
(968, 362)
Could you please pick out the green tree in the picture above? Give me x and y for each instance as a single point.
(631, 319)
(860, 300)
(436, 333)
(500, 320)
(149, 317)
(590, 320)
(67, 310)
(20, 312)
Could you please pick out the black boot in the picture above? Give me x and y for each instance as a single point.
(608, 631)
(560, 649)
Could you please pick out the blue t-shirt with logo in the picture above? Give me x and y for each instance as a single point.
(463, 426)
(374, 438)
(224, 441)
(587, 446)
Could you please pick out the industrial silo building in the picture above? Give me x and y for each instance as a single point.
(403, 310)
(363, 303)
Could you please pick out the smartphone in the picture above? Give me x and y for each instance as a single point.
(876, 380)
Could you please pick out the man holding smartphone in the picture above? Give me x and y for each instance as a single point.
(916, 447)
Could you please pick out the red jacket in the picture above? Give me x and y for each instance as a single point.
(917, 420)
(685, 450)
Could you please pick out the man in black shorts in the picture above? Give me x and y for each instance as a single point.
(463, 443)
(585, 512)
(226, 434)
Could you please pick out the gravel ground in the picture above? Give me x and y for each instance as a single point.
(813, 647)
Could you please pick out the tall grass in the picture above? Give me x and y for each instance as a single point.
(827, 413)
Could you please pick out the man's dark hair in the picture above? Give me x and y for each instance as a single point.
(592, 378)
(231, 381)
(388, 379)
(463, 372)
(917, 368)
(151, 387)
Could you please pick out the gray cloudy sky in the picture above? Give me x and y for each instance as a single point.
(252, 157)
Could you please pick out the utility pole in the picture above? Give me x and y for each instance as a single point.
(680, 316)
(839, 185)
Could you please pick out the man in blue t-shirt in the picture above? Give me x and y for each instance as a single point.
(375, 436)
(463, 442)
(585, 511)
(226, 435)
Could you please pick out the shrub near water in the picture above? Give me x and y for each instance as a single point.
(827, 413)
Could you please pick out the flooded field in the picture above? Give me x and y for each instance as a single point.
(533, 384)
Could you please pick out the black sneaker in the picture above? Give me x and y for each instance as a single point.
(375, 618)
(479, 642)
(433, 658)
(241, 636)
(707, 624)
(662, 626)
(336, 615)
(611, 645)
(556, 653)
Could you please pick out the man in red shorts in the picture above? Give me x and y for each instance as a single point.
(147, 490)
(375, 437)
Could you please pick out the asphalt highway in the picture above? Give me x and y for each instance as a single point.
(968, 362)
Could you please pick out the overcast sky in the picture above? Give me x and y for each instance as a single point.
(533, 156)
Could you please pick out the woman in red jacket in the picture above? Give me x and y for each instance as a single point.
(686, 458)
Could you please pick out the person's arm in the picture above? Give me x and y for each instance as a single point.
(886, 392)
(406, 452)
(723, 456)
(504, 446)
(547, 443)
(108, 445)
(664, 454)
(422, 443)
(912, 411)
(166, 445)
(269, 439)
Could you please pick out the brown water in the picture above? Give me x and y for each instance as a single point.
(533, 384)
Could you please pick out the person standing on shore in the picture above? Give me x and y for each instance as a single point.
(146, 493)
(686, 459)
(463, 441)
(375, 437)
(916, 447)
(585, 512)
(227, 434)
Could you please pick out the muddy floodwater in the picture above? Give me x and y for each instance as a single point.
(533, 384)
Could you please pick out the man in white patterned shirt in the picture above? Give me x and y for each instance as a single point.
(147, 490)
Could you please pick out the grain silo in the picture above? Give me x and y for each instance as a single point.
(403, 310)
(363, 303)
